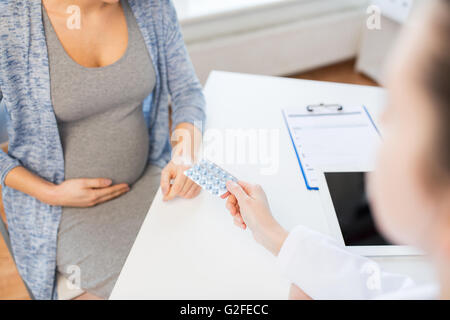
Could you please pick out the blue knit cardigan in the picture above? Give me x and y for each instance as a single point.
(34, 140)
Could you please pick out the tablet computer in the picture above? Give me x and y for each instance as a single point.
(350, 218)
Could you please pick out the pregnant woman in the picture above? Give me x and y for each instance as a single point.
(86, 85)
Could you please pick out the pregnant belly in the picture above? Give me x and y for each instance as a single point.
(98, 147)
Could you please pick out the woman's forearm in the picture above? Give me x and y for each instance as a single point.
(186, 141)
(23, 180)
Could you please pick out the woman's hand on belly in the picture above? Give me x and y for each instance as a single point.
(83, 193)
(70, 193)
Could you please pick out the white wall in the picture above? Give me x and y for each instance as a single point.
(377, 44)
(375, 48)
(278, 37)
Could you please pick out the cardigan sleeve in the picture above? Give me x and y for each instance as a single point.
(188, 101)
(7, 163)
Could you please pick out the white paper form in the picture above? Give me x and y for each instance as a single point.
(330, 139)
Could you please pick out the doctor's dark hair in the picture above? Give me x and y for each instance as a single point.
(438, 81)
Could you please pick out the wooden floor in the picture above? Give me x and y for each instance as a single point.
(11, 286)
(341, 72)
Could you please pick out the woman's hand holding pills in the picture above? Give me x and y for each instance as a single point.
(249, 207)
(182, 186)
(186, 142)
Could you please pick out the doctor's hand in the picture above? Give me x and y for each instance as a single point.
(250, 208)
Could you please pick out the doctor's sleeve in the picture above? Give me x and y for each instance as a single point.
(7, 163)
(323, 269)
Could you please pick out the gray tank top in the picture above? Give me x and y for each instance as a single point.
(99, 110)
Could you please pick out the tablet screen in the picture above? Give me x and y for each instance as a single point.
(347, 190)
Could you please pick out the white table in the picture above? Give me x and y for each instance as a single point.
(190, 249)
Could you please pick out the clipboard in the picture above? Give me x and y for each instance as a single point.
(330, 137)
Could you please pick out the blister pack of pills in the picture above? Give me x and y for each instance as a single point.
(210, 177)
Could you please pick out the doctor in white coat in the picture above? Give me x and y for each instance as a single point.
(409, 191)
